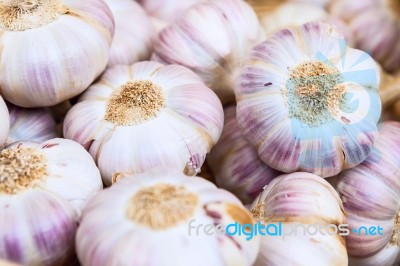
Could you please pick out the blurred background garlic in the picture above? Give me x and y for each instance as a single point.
(308, 102)
(211, 39)
(235, 163)
(4, 122)
(153, 219)
(376, 27)
(146, 115)
(134, 33)
(164, 12)
(307, 201)
(52, 50)
(43, 188)
(30, 124)
(371, 198)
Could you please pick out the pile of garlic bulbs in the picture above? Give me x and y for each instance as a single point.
(199, 132)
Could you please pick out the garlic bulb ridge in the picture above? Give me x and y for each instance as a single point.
(308, 102)
(51, 49)
(146, 115)
(4, 122)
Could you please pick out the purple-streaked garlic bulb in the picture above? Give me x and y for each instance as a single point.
(211, 39)
(146, 115)
(43, 189)
(371, 198)
(52, 50)
(4, 122)
(308, 102)
(31, 124)
(309, 213)
(165, 12)
(375, 25)
(158, 218)
(235, 163)
(134, 33)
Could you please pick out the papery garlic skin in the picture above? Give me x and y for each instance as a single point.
(306, 199)
(119, 227)
(4, 122)
(371, 197)
(235, 163)
(376, 27)
(211, 39)
(53, 50)
(308, 102)
(43, 188)
(175, 124)
(30, 124)
(134, 33)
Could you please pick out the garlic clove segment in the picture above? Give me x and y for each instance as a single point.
(157, 218)
(43, 188)
(307, 209)
(30, 124)
(371, 197)
(146, 115)
(375, 26)
(308, 102)
(52, 50)
(134, 33)
(235, 163)
(211, 39)
(4, 122)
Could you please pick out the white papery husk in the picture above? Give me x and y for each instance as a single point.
(39, 223)
(179, 136)
(4, 122)
(107, 236)
(48, 64)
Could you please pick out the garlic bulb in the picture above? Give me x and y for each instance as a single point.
(31, 124)
(376, 27)
(371, 198)
(309, 213)
(43, 188)
(52, 50)
(4, 122)
(165, 12)
(159, 218)
(235, 163)
(146, 115)
(134, 33)
(308, 102)
(217, 54)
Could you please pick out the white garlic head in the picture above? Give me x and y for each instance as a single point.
(43, 188)
(235, 163)
(4, 122)
(309, 212)
(146, 115)
(308, 102)
(375, 25)
(134, 33)
(371, 198)
(52, 50)
(157, 218)
(31, 124)
(211, 39)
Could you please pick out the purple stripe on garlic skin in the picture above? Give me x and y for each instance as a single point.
(154, 237)
(134, 33)
(4, 122)
(75, 46)
(215, 53)
(235, 163)
(371, 197)
(30, 124)
(186, 122)
(300, 198)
